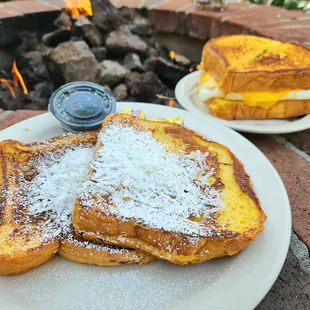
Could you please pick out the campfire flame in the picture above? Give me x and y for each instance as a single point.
(77, 7)
(18, 79)
(172, 55)
(8, 83)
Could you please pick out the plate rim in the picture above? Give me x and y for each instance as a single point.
(276, 270)
(190, 106)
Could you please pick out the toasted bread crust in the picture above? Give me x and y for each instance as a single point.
(237, 110)
(22, 261)
(175, 247)
(207, 249)
(99, 257)
(19, 251)
(249, 63)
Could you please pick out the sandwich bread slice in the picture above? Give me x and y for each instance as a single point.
(249, 77)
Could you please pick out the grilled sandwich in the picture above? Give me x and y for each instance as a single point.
(38, 185)
(163, 189)
(249, 77)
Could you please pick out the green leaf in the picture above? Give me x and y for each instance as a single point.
(257, 1)
(278, 2)
(292, 6)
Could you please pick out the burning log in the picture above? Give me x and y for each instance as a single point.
(168, 72)
(144, 87)
(52, 39)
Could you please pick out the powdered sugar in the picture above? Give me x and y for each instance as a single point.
(51, 194)
(55, 186)
(160, 189)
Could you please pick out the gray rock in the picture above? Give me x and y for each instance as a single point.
(71, 61)
(150, 63)
(63, 21)
(133, 62)
(100, 53)
(44, 89)
(105, 15)
(141, 26)
(145, 86)
(110, 73)
(127, 15)
(122, 42)
(91, 34)
(120, 92)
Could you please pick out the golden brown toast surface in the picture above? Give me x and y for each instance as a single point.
(31, 237)
(175, 224)
(237, 110)
(248, 63)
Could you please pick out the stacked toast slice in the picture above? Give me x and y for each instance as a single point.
(140, 189)
(38, 184)
(164, 189)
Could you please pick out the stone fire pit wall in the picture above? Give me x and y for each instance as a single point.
(177, 16)
(290, 153)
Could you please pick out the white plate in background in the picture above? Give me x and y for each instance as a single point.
(189, 100)
(238, 282)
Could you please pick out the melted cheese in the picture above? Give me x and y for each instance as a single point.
(209, 88)
(262, 99)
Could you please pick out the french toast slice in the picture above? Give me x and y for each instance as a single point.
(237, 110)
(164, 189)
(243, 63)
(35, 211)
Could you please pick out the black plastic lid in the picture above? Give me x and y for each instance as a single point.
(82, 106)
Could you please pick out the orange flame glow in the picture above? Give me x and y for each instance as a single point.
(77, 7)
(8, 85)
(172, 54)
(191, 70)
(18, 79)
(171, 102)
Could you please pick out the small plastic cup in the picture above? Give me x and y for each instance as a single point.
(81, 106)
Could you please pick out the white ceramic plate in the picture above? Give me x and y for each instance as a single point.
(237, 283)
(190, 101)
